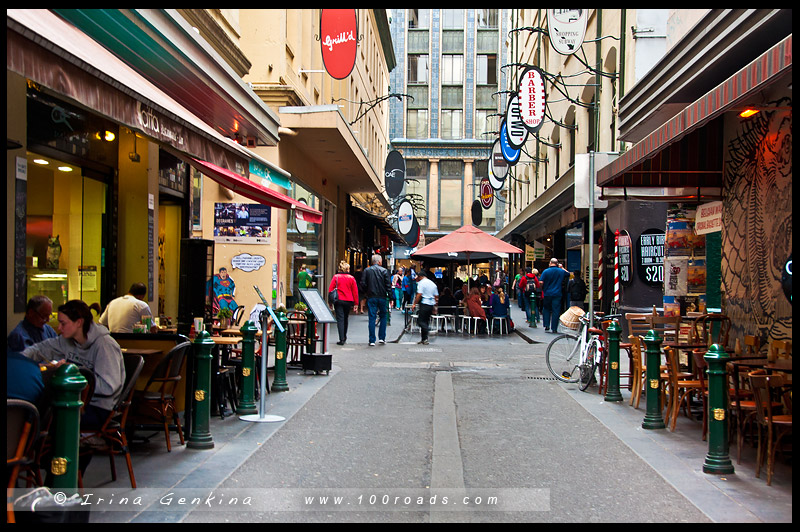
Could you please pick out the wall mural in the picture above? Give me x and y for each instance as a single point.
(757, 218)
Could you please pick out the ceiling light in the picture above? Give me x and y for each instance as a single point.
(747, 113)
(41, 161)
(110, 136)
(65, 168)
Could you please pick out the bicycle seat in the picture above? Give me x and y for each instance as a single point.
(595, 330)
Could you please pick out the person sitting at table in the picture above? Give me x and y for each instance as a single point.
(122, 312)
(33, 328)
(500, 304)
(473, 303)
(24, 378)
(88, 344)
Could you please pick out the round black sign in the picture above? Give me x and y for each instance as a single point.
(650, 253)
(786, 279)
(412, 239)
(477, 212)
(394, 173)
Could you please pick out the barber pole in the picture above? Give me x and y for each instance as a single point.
(616, 268)
(600, 272)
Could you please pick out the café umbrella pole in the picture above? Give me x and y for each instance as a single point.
(262, 416)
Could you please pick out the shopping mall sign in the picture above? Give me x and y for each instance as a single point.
(567, 28)
(338, 30)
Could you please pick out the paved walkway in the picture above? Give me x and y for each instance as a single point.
(676, 456)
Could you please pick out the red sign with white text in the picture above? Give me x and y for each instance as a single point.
(532, 99)
(338, 30)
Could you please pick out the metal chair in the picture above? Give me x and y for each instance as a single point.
(22, 428)
(157, 399)
(112, 432)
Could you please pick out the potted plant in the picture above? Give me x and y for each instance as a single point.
(224, 316)
(302, 307)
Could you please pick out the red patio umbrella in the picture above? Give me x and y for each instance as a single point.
(465, 244)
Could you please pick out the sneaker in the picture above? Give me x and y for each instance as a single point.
(423, 342)
(381, 341)
(339, 343)
(372, 343)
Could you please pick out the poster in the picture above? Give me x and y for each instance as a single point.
(243, 223)
(676, 270)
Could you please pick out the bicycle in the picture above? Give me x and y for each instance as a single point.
(575, 357)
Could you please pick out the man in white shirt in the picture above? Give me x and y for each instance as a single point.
(427, 298)
(123, 312)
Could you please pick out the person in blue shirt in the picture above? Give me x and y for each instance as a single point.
(551, 280)
(500, 304)
(24, 378)
(33, 328)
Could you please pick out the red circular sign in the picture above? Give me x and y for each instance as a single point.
(338, 30)
(487, 193)
(532, 99)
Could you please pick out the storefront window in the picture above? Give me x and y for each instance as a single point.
(303, 249)
(64, 232)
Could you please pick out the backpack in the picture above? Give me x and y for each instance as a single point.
(533, 287)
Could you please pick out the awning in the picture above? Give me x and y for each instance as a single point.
(661, 167)
(254, 191)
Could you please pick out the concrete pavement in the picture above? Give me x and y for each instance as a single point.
(676, 457)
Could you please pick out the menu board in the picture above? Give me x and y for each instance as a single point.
(320, 309)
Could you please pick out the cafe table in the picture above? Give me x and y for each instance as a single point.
(782, 364)
(139, 351)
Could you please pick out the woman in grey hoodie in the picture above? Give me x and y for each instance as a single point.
(90, 345)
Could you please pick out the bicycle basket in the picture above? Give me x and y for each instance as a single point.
(571, 318)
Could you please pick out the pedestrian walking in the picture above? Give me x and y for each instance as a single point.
(377, 284)
(409, 288)
(577, 290)
(347, 297)
(518, 290)
(427, 298)
(552, 279)
(397, 286)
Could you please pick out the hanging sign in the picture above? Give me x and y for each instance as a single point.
(532, 98)
(625, 257)
(477, 213)
(567, 28)
(516, 131)
(498, 167)
(405, 218)
(651, 256)
(510, 154)
(708, 218)
(414, 234)
(338, 29)
(487, 193)
(394, 173)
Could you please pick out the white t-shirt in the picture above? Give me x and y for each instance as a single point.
(429, 291)
(123, 312)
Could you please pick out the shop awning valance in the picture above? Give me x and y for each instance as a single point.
(683, 157)
(256, 192)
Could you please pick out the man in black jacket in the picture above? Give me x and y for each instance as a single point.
(377, 284)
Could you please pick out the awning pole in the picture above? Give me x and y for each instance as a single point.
(591, 238)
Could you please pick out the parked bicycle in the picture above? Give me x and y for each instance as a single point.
(574, 357)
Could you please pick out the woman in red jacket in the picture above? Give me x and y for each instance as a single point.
(347, 290)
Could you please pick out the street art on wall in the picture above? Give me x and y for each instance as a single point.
(757, 240)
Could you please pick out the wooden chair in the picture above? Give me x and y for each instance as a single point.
(295, 336)
(157, 399)
(22, 427)
(777, 425)
(678, 390)
(780, 349)
(638, 369)
(237, 316)
(712, 329)
(701, 367)
(752, 346)
(638, 323)
(667, 327)
(112, 432)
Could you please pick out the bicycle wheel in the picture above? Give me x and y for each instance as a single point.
(563, 356)
(589, 367)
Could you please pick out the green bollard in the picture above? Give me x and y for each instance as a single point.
(279, 383)
(247, 395)
(67, 384)
(653, 418)
(612, 386)
(717, 461)
(201, 412)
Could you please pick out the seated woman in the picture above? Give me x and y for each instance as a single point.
(473, 303)
(500, 304)
(90, 345)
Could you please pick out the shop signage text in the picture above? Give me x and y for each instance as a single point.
(338, 29)
(651, 256)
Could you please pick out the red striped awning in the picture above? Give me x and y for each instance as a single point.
(256, 192)
(660, 161)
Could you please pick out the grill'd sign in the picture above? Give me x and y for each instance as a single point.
(338, 30)
(532, 99)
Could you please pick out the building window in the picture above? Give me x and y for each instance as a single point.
(418, 69)
(417, 124)
(486, 69)
(487, 18)
(452, 69)
(453, 19)
(419, 18)
(486, 124)
(451, 190)
(452, 121)
(417, 188)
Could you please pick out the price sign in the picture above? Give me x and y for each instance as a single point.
(651, 256)
(625, 257)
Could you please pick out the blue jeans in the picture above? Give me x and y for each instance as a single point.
(377, 306)
(551, 312)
